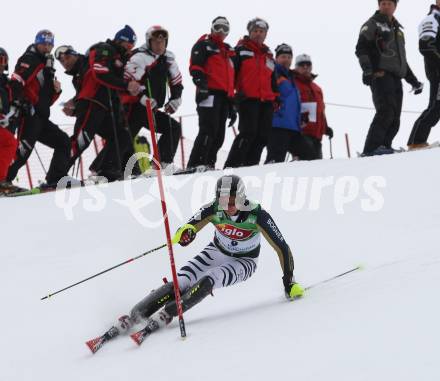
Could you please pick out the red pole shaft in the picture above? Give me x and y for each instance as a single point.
(347, 143)
(165, 216)
(28, 171)
(182, 148)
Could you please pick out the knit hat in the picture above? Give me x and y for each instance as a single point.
(45, 37)
(220, 25)
(257, 23)
(283, 49)
(126, 34)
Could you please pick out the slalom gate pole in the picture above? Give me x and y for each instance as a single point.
(152, 127)
(347, 144)
(334, 277)
(105, 271)
(331, 148)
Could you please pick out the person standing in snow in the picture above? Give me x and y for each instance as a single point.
(314, 120)
(286, 134)
(256, 92)
(8, 143)
(382, 57)
(34, 89)
(212, 70)
(154, 67)
(98, 108)
(429, 46)
(230, 258)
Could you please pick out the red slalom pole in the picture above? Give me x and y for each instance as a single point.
(165, 212)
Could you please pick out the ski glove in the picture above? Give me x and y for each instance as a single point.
(367, 78)
(294, 291)
(201, 95)
(417, 87)
(144, 99)
(172, 105)
(329, 132)
(187, 236)
(232, 115)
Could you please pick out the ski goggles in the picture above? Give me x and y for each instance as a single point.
(3, 60)
(221, 28)
(160, 35)
(65, 49)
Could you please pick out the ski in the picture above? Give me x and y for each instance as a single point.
(139, 336)
(98, 342)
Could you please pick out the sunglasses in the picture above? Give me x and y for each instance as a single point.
(64, 49)
(304, 64)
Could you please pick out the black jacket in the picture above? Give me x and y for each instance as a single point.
(4, 94)
(78, 71)
(105, 73)
(429, 42)
(32, 81)
(381, 46)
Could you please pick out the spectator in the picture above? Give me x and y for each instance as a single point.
(256, 92)
(75, 65)
(286, 130)
(154, 67)
(429, 37)
(382, 57)
(314, 121)
(212, 70)
(34, 90)
(98, 108)
(8, 143)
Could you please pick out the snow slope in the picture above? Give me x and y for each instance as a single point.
(380, 323)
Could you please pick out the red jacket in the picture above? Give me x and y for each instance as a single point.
(256, 67)
(212, 61)
(312, 93)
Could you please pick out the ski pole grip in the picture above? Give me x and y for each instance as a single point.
(180, 231)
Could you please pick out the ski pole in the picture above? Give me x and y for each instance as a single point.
(115, 133)
(175, 239)
(41, 161)
(333, 277)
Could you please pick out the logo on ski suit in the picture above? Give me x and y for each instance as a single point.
(233, 232)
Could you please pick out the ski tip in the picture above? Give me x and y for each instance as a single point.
(136, 337)
(92, 344)
(360, 267)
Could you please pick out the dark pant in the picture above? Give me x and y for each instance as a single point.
(387, 98)
(282, 140)
(93, 119)
(429, 118)
(254, 128)
(36, 128)
(212, 125)
(169, 128)
(315, 147)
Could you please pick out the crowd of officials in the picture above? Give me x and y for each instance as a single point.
(276, 99)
